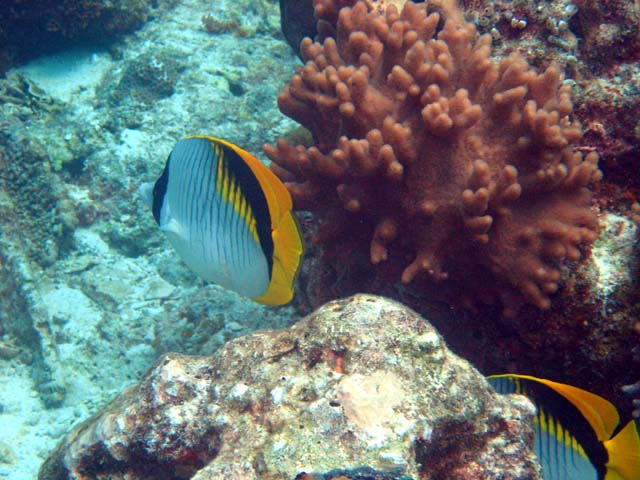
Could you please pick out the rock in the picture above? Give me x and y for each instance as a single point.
(361, 383)
(29, 29)
(6, 453)
(147, 79)
(613, 257)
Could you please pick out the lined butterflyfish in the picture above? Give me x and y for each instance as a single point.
(229, 218)
(574, 431)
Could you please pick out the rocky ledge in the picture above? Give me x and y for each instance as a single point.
(361, 384)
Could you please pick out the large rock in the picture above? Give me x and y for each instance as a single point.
(361, 382)
(30, 29)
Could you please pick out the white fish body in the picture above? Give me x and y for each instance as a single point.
(204, 226)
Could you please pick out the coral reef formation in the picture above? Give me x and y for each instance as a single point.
(33, 203)
(450, 171)
(362, 384)
(617, 35)
(591, 337)
(597, 44)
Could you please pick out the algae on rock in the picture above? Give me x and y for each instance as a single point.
(361, 382)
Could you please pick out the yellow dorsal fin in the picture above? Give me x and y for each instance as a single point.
(600, 413)
(287, 240)
(624, 454)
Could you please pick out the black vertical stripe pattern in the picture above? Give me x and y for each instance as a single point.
(216, 205)
(201, 156)
(557, 407)
(204, 168)
(237, 169)
(206, 214)
(234, 224)
(224, 206)
(189, 181)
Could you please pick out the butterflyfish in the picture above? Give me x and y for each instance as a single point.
(229, 218)
(574, 431)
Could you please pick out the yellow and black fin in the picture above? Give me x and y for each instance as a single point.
(285, 235)
(573, 431)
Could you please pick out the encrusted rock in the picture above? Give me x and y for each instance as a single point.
(360, 383)
(29, 29)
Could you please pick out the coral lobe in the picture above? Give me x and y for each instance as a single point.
(463, 172)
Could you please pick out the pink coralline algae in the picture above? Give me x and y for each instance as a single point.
(454, 173)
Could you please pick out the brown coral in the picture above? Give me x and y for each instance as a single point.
(466, 167)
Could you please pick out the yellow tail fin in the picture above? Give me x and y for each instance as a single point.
(624, 454)
(288, 246)
(288, 249)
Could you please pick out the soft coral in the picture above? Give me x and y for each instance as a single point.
(465, 167)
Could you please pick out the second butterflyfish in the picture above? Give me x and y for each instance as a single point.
(577, 433)
(229, 218)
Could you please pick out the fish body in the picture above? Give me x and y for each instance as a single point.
(574, 431)
(228, 217)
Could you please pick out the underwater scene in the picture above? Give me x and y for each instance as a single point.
(320, 239)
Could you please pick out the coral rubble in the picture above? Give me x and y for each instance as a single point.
(452, 172)
(363, 384)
